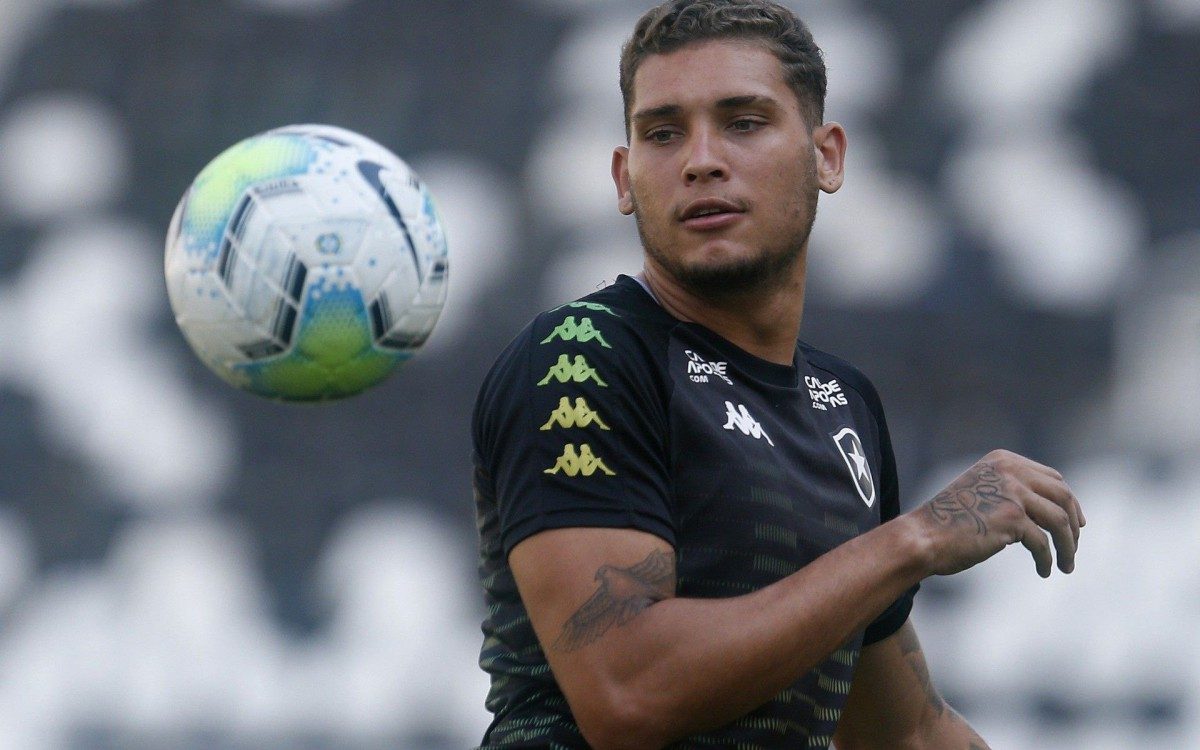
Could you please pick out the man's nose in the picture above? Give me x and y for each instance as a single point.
(705, 159)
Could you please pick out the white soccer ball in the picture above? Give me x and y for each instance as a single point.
(305, 263)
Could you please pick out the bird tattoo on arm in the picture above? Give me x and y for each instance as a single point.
(621, 595)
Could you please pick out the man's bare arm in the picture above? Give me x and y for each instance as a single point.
(641, 667)
(894, 703)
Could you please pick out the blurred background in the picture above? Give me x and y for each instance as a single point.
(1014, 260)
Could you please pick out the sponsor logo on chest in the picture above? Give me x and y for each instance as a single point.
(825, 395)
(700, 370)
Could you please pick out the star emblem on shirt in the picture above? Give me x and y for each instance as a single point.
(860, 461)
(851, 448)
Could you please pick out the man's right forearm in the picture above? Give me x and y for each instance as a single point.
(683, 665)
(686, 665)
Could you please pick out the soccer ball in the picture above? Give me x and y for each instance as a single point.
(305, 263)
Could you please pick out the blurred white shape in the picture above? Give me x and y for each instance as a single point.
(17, 558)
(862, 60)
(393, 573)
(586, 66)
(403, 634)
(8, 331)
(61, 154)
(570, 172)
(587, 264)
(570, 167)
(1157, 394)
(191, 637)
(1064, 234)
(78, 322)
(58, 657)
(1011, 62)
(479, 212)
(879, 240)
(171, 635)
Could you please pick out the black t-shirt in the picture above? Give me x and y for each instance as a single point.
(608, 412)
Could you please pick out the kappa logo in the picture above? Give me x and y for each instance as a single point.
(593, 306)
(739, 419)
(573, 463)
(825, 395)
(855, 457)
(699, 369)
(583, 332)
(568, 416)
(565, 370)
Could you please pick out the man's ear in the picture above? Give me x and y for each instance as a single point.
(829, 144)
(620, 175)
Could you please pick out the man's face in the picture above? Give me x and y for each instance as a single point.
(721, 171)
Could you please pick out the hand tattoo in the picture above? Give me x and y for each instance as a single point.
(966, 505)
(622, 595)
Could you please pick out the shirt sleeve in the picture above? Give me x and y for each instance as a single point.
(571, 427)
(895, 615)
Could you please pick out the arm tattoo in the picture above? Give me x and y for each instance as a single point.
(621, 595)
(911, 648)
(973, 504)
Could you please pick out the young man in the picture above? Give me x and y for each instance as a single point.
(689, 521)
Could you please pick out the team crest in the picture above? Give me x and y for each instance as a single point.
(855, 457)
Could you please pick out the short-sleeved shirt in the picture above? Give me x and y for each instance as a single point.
(609, 412)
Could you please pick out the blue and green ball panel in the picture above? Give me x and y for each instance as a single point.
(333, 353)
(213, 197)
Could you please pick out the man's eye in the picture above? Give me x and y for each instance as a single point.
(745, 125)
(660, 136)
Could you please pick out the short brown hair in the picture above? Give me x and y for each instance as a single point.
(677, 23)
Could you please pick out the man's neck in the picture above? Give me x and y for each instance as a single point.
(763, 323)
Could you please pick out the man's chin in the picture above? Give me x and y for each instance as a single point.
(717, 279)
(722, 268)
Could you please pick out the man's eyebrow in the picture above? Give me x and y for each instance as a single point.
(666, 110)
(734, 102)
(729, 102)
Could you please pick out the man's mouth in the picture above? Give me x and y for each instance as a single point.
(708, 207)
(710, 213)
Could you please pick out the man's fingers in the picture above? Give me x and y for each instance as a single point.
(1070, 503)
(1034, 540)
(1073, 510)
(1058, 522)
(1048, 471)
(1057, 492)
(1077, 513)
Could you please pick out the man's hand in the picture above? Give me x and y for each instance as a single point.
(1002, 499)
